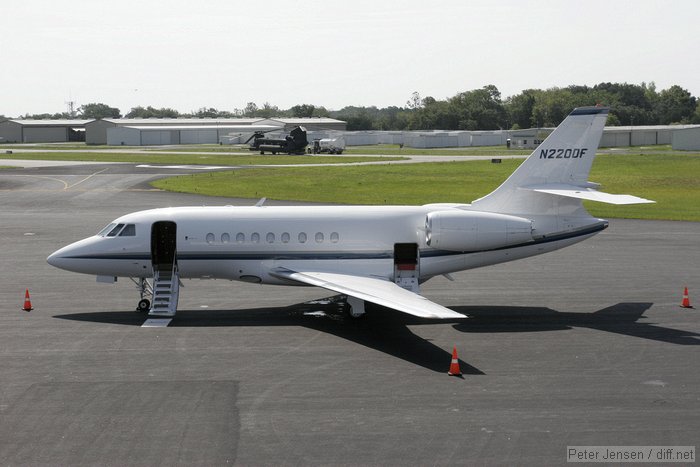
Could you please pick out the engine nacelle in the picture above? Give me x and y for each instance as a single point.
(475, 231)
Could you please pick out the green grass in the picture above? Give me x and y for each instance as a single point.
(382, 184)
(668, 179)
(395, 150)
(203, 148)
(188, 159)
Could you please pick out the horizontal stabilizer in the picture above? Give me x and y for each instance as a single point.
(371, 289)
(572, 191)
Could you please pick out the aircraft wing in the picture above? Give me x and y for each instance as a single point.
(572, 191)
(372, 289)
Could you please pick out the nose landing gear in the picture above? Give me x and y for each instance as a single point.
(145, 290)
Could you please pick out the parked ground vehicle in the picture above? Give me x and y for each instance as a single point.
(329, 145)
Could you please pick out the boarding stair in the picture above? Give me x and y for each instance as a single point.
(166, 290)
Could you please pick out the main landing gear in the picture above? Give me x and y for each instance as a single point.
(355, 307)
(145, 290)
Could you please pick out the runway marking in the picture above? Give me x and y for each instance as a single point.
(189, 167)
(66, 185)
(86, 179)
(156, 323)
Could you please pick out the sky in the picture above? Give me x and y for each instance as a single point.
(225, 53)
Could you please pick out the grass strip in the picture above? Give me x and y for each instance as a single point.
(668, 179)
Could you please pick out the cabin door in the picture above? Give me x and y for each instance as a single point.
(407, 266)
(163, 245)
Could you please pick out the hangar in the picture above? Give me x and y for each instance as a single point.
(310, 123)
(96, 130)
(42, 131)
(686, 139)
(148, 135)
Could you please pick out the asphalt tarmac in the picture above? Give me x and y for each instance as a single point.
(584, 346)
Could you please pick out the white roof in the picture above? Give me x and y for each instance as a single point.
(303, 120)
(50, 122)
(180, 121)
(647, 127)
(247, 128)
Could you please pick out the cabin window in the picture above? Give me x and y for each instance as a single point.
(225, 238)
(129, 231)
(106, 230)
(255, 237)
(285, 237)
(319, 237)
(302, 237)
(240, 237)
(210, 238)
(270, 237)
(335, 237)
(115, 231)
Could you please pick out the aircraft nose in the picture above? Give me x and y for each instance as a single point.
(56, 259)
(64, 258)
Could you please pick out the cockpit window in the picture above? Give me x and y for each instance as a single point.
(129, 231)
(107, 229)
(115, 231)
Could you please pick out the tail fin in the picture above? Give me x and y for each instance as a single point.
(557, 168)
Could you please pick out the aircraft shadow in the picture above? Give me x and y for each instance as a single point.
(381, 329)
(623, 318)
(387, 330)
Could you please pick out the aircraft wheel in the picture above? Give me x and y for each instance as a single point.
(143, 306)
(355, 307)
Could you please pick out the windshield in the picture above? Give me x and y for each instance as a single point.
(107, 229)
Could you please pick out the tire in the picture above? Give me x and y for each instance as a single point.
(143, 306)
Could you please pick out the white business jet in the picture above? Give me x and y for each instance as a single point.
(377, 254)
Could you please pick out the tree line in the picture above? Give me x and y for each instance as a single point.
(477, 109)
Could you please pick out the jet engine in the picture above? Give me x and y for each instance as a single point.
(475, 230)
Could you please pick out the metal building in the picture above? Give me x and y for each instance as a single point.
(149, 135)
(686, 139)
(96, 131)
(311, 123)
(42, 131)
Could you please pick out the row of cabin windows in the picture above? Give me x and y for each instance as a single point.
(270, 237)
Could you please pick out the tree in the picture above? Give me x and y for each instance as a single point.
(211, 112)
(250, 110)
(47, 116)
(268, 110)
(320, 112)
(480, 109)
(696, 116)
(415, 102)
(303, 111)
(675, 105)
(95, 110)
(150, 112)
(519, 109)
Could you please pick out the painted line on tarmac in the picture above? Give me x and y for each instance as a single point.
(156, 323)
(187, 167)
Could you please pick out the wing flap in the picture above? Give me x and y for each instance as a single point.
(372, 289)
(572, 191)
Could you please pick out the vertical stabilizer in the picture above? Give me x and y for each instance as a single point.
(564, 158)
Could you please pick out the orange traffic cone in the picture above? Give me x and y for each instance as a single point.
(686, 300)
(27, 302)
(454, 365)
